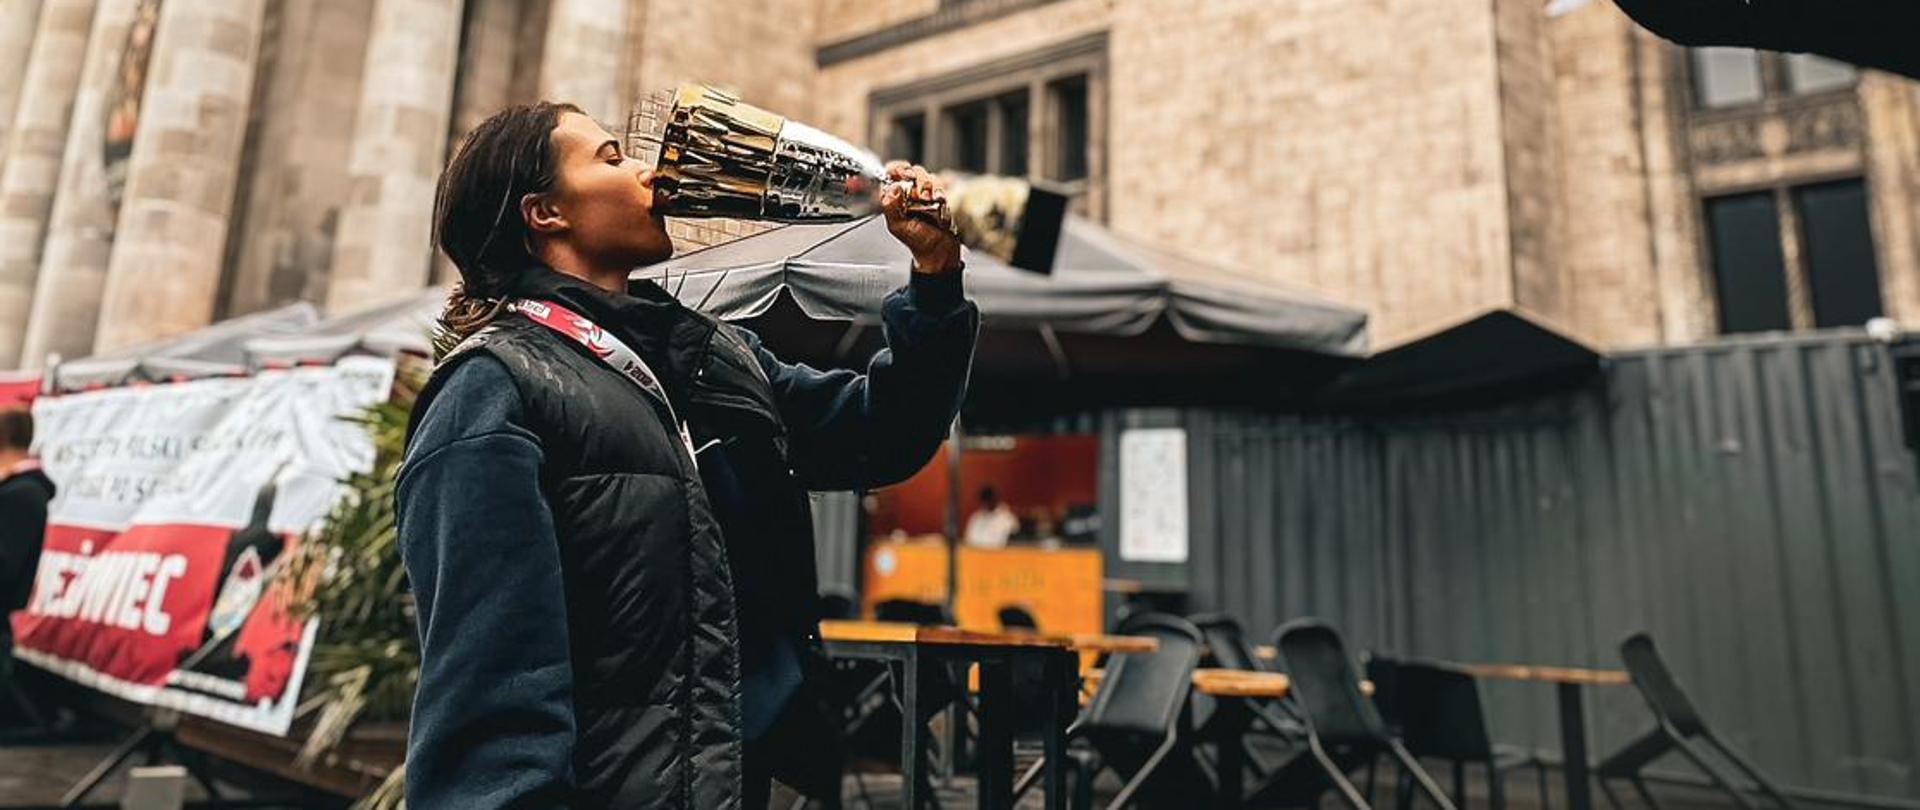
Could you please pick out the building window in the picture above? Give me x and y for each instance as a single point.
(1070, 148)
(1038, 115)
(1807, 73)
(1749, 269)
(907, 138)
(1726, 77)
(1797, 257)
(1843, 279)
(1738, 77)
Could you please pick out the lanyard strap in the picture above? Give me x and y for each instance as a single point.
(608, 349)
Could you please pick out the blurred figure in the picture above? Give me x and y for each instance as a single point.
(992, 523)
(24, 493)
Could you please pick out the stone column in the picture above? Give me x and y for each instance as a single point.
(73, 262)
(582, 58)
(171, 238)
(37, 137)
(18, 20)
(384, 250)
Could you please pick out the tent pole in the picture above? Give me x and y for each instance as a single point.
(949, 755)
(954, 435)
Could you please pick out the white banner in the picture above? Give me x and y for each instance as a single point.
(162, 537)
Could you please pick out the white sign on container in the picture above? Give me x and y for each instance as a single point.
(1153, 495)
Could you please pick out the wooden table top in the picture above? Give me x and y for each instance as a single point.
(1515, 672)
(904, 633)
(1232, 682)
(1098, 642)
(1241, 683)
(1568, 675)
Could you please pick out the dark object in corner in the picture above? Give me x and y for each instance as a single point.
(1863, 32)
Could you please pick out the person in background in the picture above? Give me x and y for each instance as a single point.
(24, 493)
(992, 523)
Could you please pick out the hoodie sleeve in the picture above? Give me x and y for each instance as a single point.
(493, 723)
(849, 430)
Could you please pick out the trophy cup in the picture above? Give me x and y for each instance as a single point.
(716, 156)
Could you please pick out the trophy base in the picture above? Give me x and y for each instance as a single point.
(1041, 224)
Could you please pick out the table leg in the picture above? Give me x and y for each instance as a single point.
(912, 733)
(1062, 682)
(994, 756)
(1232, 753)
(1573, 744)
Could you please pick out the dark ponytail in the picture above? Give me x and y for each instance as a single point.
(476, 212)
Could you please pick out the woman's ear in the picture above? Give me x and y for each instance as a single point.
(541, 215)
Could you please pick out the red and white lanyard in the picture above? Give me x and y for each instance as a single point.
(610, 350)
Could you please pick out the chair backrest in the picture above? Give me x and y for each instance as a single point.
(1227, 646)
(1325, 685)
(1383, 671)
(836, 605)
(1438, 711)
(1017, 617)
(1143, 693)
(1657, 686)
(911, 612)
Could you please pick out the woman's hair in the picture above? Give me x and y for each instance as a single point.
(476, 212)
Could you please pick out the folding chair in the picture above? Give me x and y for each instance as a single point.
(1136, 722)
(1680, 728)
(1436, 710)
(1273, 721)
(1344, 731)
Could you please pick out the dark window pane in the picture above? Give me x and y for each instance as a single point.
(1749, 269)
(1725, 77)
(1841, 272)
(967, 138)
(1807, 73)
(1070, 100)
(907, 139)
(1013, 134)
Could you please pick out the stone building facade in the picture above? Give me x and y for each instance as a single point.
(1428, 161)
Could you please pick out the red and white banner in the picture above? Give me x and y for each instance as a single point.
(164, 531)
(17, 389)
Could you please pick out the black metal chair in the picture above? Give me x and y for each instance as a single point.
(1344, 730)
(1136, 724)
(1437, 711)
(1017, 617)
(911, 612)
(1680, 728)
(838, 605)
(1274, 722)
(1227, 645)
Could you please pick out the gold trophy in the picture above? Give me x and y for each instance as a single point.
(716, 156)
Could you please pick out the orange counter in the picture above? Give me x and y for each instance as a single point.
(1060, 587)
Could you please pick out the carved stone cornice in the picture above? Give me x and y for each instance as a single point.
(952, 15)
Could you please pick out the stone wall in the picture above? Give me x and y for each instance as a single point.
(1351, 147)
(298, 183)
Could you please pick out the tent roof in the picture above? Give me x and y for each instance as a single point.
(211, 351)
(1102, 284)
(1490, 356)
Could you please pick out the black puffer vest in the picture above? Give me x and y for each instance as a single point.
(651, 618)
(654, 552)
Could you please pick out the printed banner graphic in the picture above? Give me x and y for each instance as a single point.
(175, 501)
